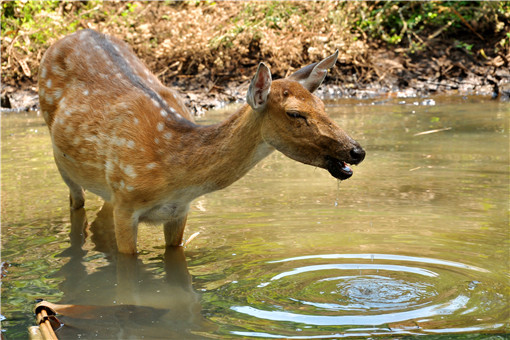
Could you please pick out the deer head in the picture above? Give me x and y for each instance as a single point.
(295, 122)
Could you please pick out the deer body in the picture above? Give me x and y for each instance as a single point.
(119, 133)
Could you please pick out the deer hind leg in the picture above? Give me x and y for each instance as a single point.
(78, 216)
(174, 230)
(126, 227)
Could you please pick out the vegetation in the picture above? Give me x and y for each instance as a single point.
(220, 39)
(413, 23)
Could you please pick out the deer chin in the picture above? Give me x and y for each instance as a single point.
(338, 169)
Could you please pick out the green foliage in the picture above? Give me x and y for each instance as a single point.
(464, 46)
(41, 19)
(413, 22)
(130, 8)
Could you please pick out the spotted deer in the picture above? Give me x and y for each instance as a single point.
(119, 133)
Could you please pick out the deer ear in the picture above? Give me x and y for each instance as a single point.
(259, 88)
(312, 76)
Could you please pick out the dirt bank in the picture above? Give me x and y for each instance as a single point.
(437, 71)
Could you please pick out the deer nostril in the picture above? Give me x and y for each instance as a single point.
(357, 154)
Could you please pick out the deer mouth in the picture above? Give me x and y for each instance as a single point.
(338, 169)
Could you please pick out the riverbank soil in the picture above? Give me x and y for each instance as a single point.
(209, 50)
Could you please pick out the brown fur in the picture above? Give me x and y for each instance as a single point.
(118, 132)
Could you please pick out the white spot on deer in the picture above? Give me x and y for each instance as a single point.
(123, 106)
(86, 92)
(130, 188)
(156, 140)
(164, 113)
(44, 72)
(41, 92)
(136, 121)
(58, 71)
(76, 140)
(93, 139)
(49, 99)
(151, 165)
(48, 83)
(129, 170)
(63, 104)
(60, 121)
(155, 102)
(167, 135)
(58, 93)
(118, 141)
(108, 166)
(178, 115)
(69, 129)
(160, 126)
(67, 113)
(130, 144)
(122, 184)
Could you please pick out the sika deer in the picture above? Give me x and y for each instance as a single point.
(119, 133)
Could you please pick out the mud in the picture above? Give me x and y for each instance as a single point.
(439, 70)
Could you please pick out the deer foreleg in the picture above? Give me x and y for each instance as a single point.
(125, 229)
(174, 231)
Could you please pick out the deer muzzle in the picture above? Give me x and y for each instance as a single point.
(340, 169)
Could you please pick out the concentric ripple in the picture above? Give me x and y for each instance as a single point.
(370, 292)
(363, 294)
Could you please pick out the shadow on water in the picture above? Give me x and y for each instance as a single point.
(124, 298)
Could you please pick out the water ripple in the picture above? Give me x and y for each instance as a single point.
(414, 296)
(384, 257)
(358, 320)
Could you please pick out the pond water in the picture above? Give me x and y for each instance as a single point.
(416, 242)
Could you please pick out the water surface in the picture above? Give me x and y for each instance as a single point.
(416, 242)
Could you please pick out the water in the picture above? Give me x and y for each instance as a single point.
(416, 242)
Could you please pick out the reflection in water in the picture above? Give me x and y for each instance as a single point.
(373, 257)
(124, 297)
(359, 267)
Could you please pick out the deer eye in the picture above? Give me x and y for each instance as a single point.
(296, 114)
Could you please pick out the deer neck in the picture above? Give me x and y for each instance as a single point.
(221, 154)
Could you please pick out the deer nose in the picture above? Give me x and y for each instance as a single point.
(357, 154)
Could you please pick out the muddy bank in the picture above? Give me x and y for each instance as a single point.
(389, 75)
